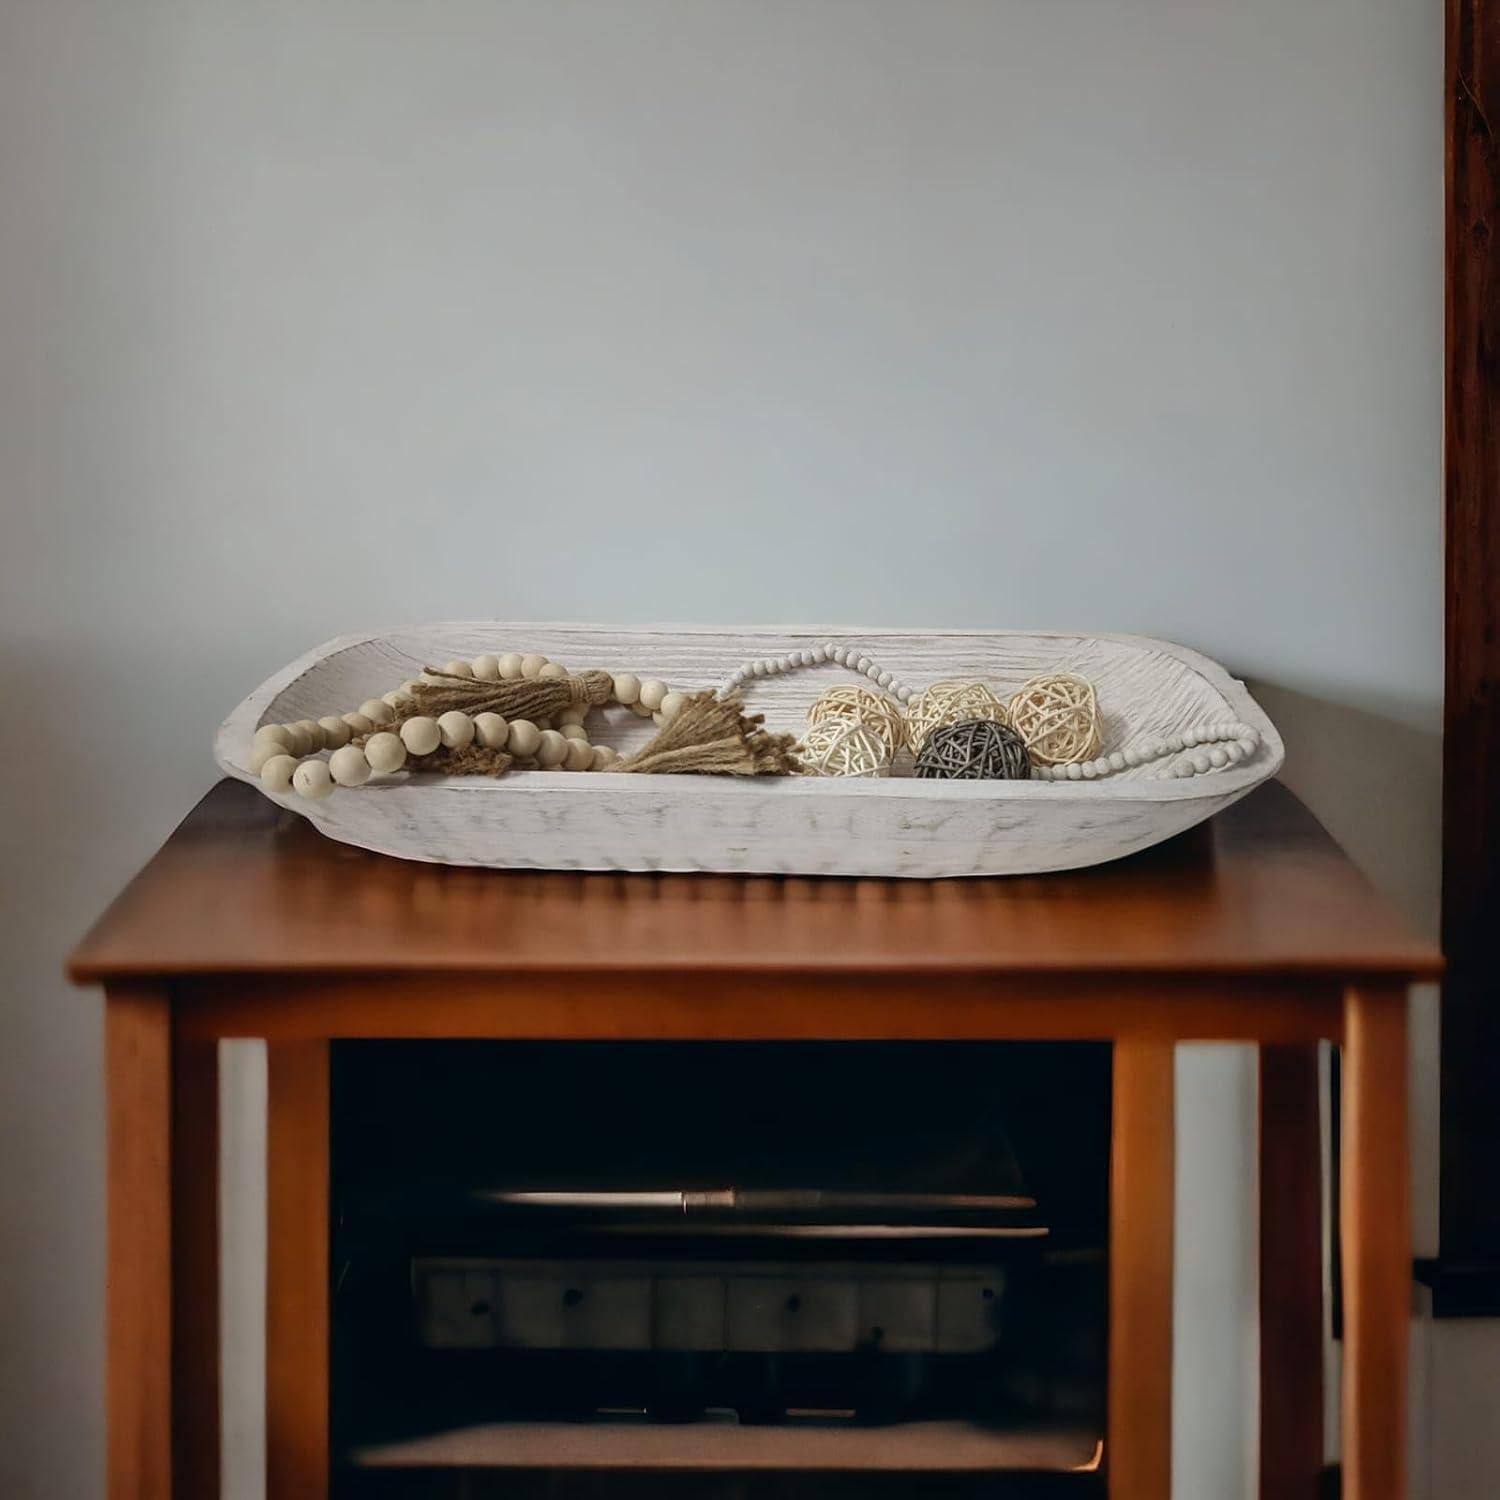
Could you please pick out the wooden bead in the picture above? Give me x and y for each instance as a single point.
(486, 668)
(313, 780)
(491, 731)
(348, 766)
(510, 665)
(265, 750)
(310, 732)
(524, 738)
(359, 724)
(579, 756)
(532, 664)
(552, 671)
(276, 774)
(602, 758)
(640, 710)
(458, 668)
(456, 728)
(552, 750)
(421, 735)
(377, 711)
(335, 731)
(652, 693)
(394, 699)
(276, 734)
(627, 688)
(571, 731)
(385, 752)
(672, 705)
(262, 751)
(301, 741)
(571, 715)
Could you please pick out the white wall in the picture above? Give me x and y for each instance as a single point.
(322, 314)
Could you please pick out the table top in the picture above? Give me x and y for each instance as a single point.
(245, 887)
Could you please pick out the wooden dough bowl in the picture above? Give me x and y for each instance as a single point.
(804, 825)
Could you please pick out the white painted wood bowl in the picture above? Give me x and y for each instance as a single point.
(805, 825)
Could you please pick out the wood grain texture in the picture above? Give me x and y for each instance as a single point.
(1291, 1274)
(1138, 1448)
(1375, 1193)
(138, 1097)
(1471, 739)
(921, 1447)
(297, 1308)
(243, 887)
(195, 1266)
(895, 826)
(698, 1007)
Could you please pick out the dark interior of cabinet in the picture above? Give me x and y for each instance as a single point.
(719, 1268)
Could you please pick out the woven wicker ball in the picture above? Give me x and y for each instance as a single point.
(1058, 718)
(975, 750)
(844, 747)
(857, 705)
(950, 703)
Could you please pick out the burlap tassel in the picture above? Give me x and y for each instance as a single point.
(512, 698)
(472, 760)
(715, 736)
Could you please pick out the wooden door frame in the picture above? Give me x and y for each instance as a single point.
(1467, 1276)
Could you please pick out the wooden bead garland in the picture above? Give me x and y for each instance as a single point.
(844, 747)
(1057, 716)
(859, 705)
(974, 750)
(950, 703)
(445, 720)
(849, 657)
(1213, 747)
(853, 731)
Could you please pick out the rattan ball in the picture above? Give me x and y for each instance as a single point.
(844, 747)
(974, 750)
(857, 705)
(950, 703)
(1058, 718)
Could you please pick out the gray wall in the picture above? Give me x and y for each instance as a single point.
(323, 314)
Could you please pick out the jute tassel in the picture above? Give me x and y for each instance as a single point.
(512, 698)
(713, 735)
(472, 760)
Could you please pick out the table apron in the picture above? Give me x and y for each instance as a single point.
(679, 1005)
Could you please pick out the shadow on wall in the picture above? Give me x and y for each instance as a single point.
(1375, 782)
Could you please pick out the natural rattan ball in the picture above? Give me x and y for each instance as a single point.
(857, 705)
(1058, 718)
(950, 703)
(975, 750)
(844, 747)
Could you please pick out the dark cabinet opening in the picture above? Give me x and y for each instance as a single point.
(719, 1268)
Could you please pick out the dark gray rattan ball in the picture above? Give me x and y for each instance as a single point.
(976, 749)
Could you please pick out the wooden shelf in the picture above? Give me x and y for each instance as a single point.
(927, 1447)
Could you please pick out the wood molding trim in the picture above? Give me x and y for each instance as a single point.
(1471, 738)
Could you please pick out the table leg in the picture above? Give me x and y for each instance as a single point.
(297, 1271)
(1376, 1242)
(138, 1096)
(1291, 1274)
(195, 1267)
(1141, 1208)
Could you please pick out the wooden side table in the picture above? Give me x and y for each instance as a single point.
(1255, 928)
